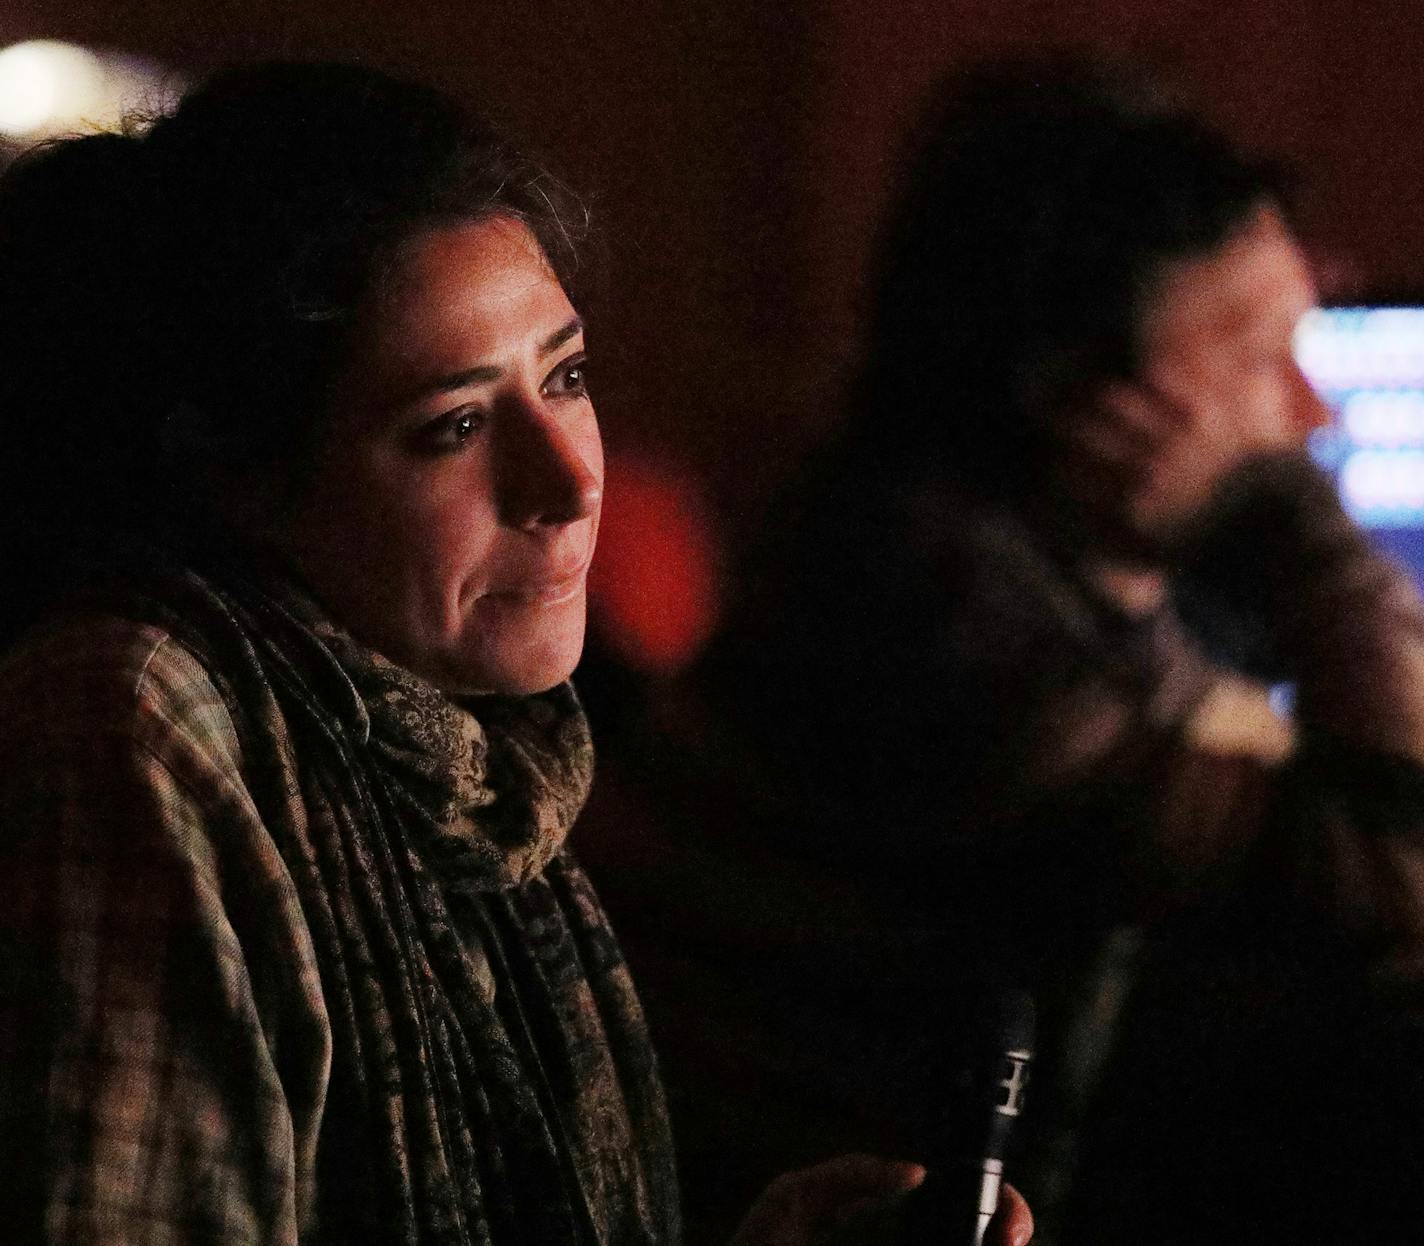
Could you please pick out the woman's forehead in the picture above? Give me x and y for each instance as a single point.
(458, 296)
(470, 266)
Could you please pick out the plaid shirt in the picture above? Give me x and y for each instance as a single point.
(164, 1047)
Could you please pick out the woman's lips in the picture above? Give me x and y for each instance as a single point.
(552, 592)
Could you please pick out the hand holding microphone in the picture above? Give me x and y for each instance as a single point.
(859, 1200)
(960, 1195)
(956, 1202)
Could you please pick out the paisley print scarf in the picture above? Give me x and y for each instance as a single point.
(492, 1080)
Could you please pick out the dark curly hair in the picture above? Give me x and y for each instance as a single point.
(202, 273)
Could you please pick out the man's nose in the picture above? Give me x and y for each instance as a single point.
(548, 471)
(1310, 410)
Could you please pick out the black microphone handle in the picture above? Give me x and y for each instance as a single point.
(954, 1205)
(961, 1193)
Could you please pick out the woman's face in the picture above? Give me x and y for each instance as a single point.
(454, 503)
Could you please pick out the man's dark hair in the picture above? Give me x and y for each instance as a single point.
(1042, 205)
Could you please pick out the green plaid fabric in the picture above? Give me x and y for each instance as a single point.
(163, 1041)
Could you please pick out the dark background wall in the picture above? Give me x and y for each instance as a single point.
(738, 154)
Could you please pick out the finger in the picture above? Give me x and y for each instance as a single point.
(862, 1176)
(1143, 413)
(798, 1204)
(859, 1214)
(1104, 427)
(1121, 428)
(828, 1186)
(1012, 1224)
(1099, 438)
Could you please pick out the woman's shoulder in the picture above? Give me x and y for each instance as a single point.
(118, 753)
(106, 679)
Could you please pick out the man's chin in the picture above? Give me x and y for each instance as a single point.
(1164, 540)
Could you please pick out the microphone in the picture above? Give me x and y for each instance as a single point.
(1012, 1051)
(960, 1194)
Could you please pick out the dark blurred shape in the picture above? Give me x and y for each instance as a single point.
(938, 745)
(1043, 204)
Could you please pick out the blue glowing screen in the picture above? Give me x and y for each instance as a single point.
(1367, 362)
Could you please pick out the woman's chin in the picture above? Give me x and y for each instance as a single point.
(517, 663)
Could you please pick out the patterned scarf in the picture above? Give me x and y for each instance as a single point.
(492, 1080)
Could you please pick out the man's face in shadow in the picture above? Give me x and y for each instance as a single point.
(1217, 384)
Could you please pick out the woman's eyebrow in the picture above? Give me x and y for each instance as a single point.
(483, 373)
(555, 340)
(460, 380)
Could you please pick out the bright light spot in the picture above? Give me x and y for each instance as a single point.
(48, 88)
(654, 591)
(45, 84)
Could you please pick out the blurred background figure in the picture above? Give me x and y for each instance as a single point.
(962, 730)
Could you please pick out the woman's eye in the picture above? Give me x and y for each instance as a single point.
(449, 432)
(570, 378)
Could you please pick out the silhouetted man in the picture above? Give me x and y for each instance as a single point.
(985, 742)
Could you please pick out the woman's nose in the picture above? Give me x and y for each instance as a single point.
(550, 472)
